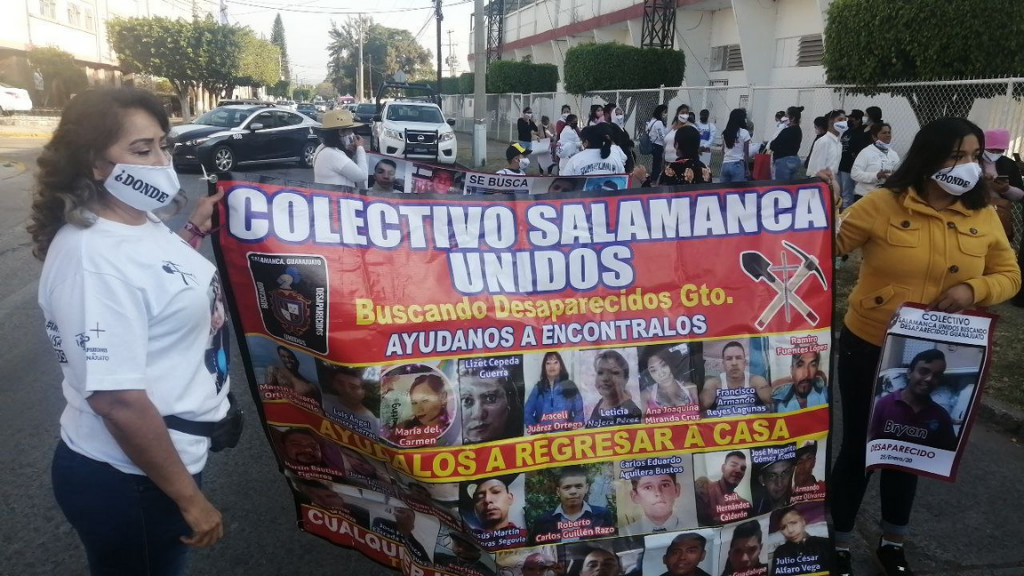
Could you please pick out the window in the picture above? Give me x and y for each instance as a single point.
(90, 24)
(267, 119)
(811, 50)
(74, 15)
(415, 114)
(726, 58)
(48, 9)
(288, 119)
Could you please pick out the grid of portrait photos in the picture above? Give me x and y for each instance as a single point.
(731, 512)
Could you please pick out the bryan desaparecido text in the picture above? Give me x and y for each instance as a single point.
(574, 246)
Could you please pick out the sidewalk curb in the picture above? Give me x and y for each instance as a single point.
(1001, 415)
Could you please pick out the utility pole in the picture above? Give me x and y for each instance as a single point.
(479, 86)
(452, 60)
(359, 81)
(439, 17)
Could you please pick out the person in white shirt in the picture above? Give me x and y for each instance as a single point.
(708, 132)
(600, 154)
(656, 132)
(331, 162)
(828, 151)
(656, 495)
(876, 162)
(682, 118)
(134, 314)
(517, 161)
(569, 143)
(736, 140)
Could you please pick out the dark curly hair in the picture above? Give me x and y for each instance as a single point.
(65, 187)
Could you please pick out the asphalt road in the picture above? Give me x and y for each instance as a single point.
(971, 528)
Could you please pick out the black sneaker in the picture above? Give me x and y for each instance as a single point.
(842, 563)
(892, 561)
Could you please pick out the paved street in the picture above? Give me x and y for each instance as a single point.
(972, 528)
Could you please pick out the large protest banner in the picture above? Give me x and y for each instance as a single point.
(474, 385)
(929, 383)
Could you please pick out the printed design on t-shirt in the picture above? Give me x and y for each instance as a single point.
(217, 347)
(53, 333)
(186, 276)
(94, 352)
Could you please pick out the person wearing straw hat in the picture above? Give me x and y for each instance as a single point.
(341, 159)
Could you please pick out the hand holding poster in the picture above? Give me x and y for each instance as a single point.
(592, 381)
(929, 382)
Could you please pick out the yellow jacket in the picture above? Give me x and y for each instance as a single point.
(914, 254)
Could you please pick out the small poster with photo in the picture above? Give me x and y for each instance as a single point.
(387, 174)
(430, 179)
(929, 382)
(419, 407)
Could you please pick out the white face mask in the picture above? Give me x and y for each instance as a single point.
(841, 126)
(992, 156)
(144, 188)
(524, 163)
(620, 119)
(683, 118)
(959, 179)
(528, 115)
(564, 116)
(348, 139)
(882, 145)
(783, 121)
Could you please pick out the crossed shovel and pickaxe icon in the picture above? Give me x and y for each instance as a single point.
(760, 269)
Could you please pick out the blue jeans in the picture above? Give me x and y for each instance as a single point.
(733, 172)
(127, 524)
(847, 185)
(786, 168)
(528, 146)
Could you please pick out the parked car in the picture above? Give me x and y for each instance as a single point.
(364, 112)
(14, 99)
(286, 104)
(415, 130)
(231, 136)
(309, 110)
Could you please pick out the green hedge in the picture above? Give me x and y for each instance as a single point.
(522, 77)
(613, 66)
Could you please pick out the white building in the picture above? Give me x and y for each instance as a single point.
(733, 42)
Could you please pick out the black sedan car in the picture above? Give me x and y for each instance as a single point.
(308, 109)
(231, 136)
(364, 113)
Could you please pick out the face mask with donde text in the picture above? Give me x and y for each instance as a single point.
(146, 188)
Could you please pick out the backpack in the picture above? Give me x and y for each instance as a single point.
(645, 145)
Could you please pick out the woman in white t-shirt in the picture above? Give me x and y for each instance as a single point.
(134, 314)
(736, 142)
(874, 164)
(569, 143)
(600, 154)
(656, 132)
(332, 163)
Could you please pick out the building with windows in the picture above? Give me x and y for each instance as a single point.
(726, 42)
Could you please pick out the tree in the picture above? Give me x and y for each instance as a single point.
(303, 94)
(220, 48)
(61, 76)
(283, 89)
(949, 39)
(326, 91)
(385, 52)
(277, 38)
(260, 63)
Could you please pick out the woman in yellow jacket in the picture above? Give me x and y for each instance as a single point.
(929, 236)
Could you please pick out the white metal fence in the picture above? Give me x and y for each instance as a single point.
(990, 103)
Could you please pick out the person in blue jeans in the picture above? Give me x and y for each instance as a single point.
(132, 312)
(554, 403)
(786, 146)
(737, 148)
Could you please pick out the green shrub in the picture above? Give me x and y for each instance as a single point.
(509, 76)
(613, 66)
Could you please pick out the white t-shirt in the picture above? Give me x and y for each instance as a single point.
(656, 130)
(736, 153)
(670, 146)
(510, 172)
(135, 308)
(589, 163)
(333, 166)
(826, 152)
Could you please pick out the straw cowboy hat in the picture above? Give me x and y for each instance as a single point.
(339, 119)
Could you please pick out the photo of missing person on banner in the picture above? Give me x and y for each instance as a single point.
(743, 551)
(395, 521)
(667, 382)
(798, 540)
(388, 175)
(459, 554)
(441, 499)
(655, 495)
(429, 179)
(554, 402)
(610, 386)
(722, 486)
(607, 184)
(366, 472)
(537, 561)
(799, 369)
(283, 372)
(556, 185)
(736, 378)
(772, 471)
(570, 503)
(419, 407)
(924, 391)
(689, 553)
(616, 557)
(491, 398)
(809, 472)
(492, 509)
(335, 498)
(351, 396)
(306, 454)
